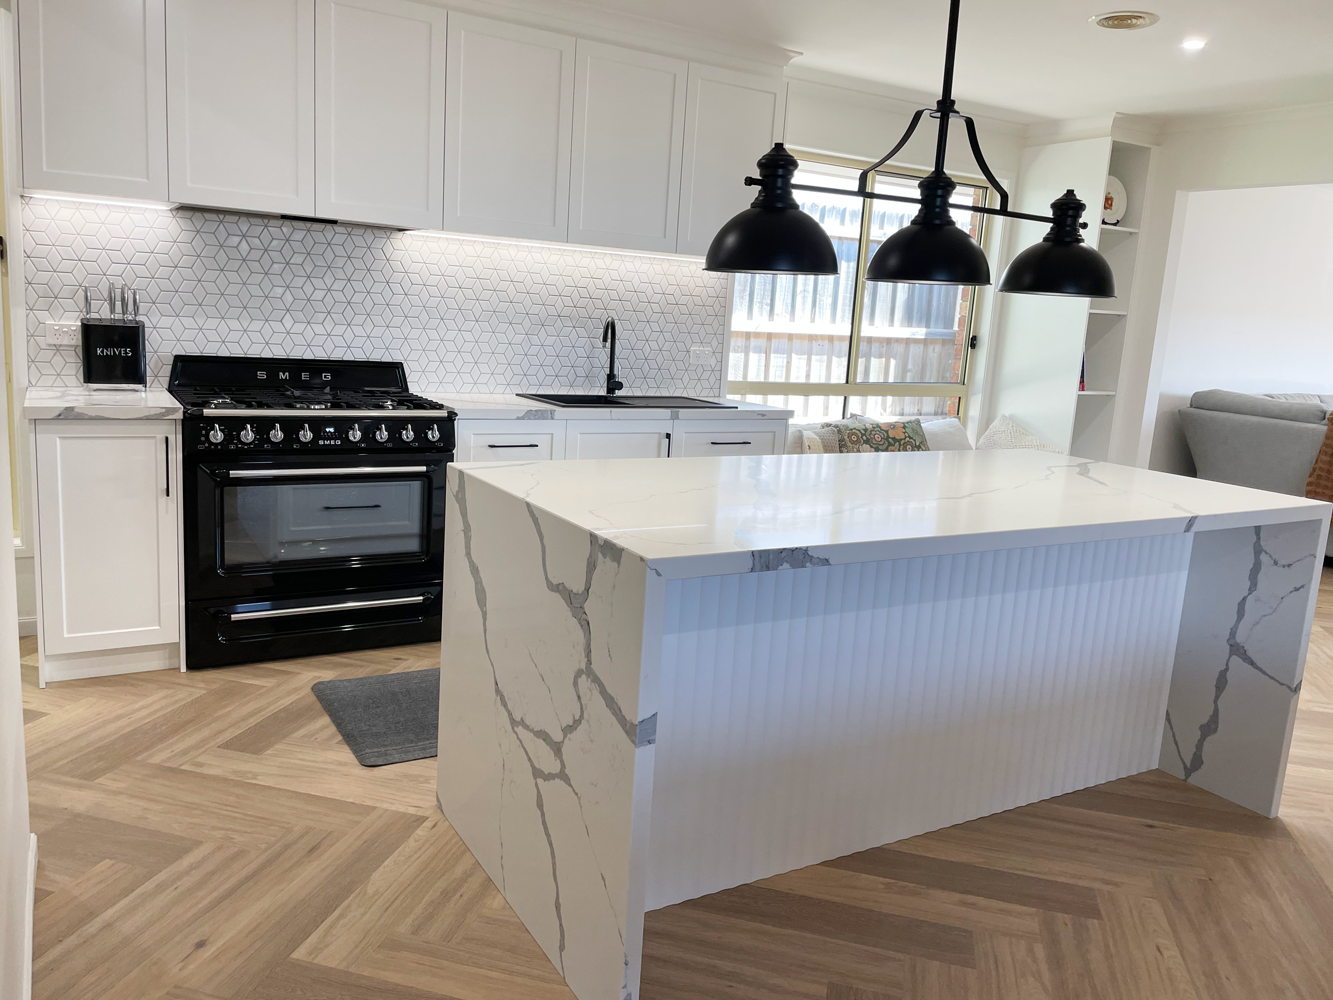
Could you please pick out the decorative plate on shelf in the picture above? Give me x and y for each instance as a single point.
(1113, 208)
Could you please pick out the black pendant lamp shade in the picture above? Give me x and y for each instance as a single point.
(1061, 264)
(932, 250)
(773, 235)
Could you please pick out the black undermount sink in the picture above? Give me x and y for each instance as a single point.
(602, 399)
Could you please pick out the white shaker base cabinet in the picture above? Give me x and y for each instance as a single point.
(509, 440)
(108, 572)
(735, 437)
(618, 439)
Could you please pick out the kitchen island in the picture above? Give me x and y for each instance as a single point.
(663, 679)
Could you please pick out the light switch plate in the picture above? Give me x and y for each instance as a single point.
(61, 334)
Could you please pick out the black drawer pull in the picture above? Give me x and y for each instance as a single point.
(511, 446)
(730, 442)
(357, 506)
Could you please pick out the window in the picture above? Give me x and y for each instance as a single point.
(793, 336)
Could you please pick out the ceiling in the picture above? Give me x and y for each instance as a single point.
(1042, 58)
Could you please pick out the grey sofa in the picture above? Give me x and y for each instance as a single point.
(1267, 442)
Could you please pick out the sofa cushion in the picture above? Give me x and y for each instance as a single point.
(858, 435)
(1006, 432)
(946, 434)
(1259, 406)
(1302, 397)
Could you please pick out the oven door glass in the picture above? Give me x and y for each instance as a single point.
(276, 524)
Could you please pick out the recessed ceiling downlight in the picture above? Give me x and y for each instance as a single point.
(1125, 20)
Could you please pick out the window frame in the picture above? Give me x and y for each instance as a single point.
(960, 390)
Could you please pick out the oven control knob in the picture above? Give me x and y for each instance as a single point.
(247, 434)
(275, 435)
(407, 434)
(381, 434)
(217, 435)
(433, 433)
(304, 434)
(354, 434)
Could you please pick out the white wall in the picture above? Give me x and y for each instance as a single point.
(1292, 146)
(16, 841)
(1247, 307)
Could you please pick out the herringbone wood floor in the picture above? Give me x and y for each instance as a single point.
(208, 837)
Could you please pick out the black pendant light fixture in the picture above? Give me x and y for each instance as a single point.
(774, 236)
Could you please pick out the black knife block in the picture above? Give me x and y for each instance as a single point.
(113, 352)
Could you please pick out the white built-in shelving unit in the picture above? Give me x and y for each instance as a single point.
(1044, 342)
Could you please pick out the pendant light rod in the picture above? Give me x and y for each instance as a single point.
(944, 109)
(908, 200)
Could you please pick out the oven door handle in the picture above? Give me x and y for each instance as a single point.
(319, 608)
(360, 470)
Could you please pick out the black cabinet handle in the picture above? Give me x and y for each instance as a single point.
(356, 506)
(511, 446)
(730, 442)
(167, 441)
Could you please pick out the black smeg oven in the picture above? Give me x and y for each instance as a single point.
(314, 507)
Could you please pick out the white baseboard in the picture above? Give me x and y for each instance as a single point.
(28, 626)
(27, 933)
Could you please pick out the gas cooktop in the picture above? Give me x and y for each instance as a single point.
(247, 398)
(212, 384)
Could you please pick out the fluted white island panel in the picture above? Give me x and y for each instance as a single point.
(658, 683)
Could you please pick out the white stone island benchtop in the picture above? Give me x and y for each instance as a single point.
(663, 679)
(82, 403)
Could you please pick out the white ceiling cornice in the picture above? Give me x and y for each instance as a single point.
(618, 28)
(1243, 119)
(872, 94)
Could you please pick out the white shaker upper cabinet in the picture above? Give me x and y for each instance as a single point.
(241, 104)
(732, 120)
(379, 107)
(629, 133)
(509, 124)
(94, 97)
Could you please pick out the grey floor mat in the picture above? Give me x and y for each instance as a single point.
(387, 718)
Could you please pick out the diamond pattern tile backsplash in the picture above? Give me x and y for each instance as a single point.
(463, 315)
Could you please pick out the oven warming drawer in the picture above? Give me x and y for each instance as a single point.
(227, 632)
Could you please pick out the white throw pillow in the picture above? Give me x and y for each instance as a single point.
(946, 434)
(1006, 432)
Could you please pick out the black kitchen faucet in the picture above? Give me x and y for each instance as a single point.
(613, 384)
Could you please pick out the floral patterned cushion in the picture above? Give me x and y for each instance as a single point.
(868, 435)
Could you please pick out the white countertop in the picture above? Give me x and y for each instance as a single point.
(705, 516)
(507, 406)
(82, 403)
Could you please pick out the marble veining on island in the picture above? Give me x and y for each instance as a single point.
(659, 683)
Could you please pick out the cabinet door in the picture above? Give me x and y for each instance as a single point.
(617, 438)
(731, 120)
(241, 104)
(508, 129)
(107, 530)
(94, 97)
(509, 440)
(695, 439)
(379, 112)
(629, 133)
